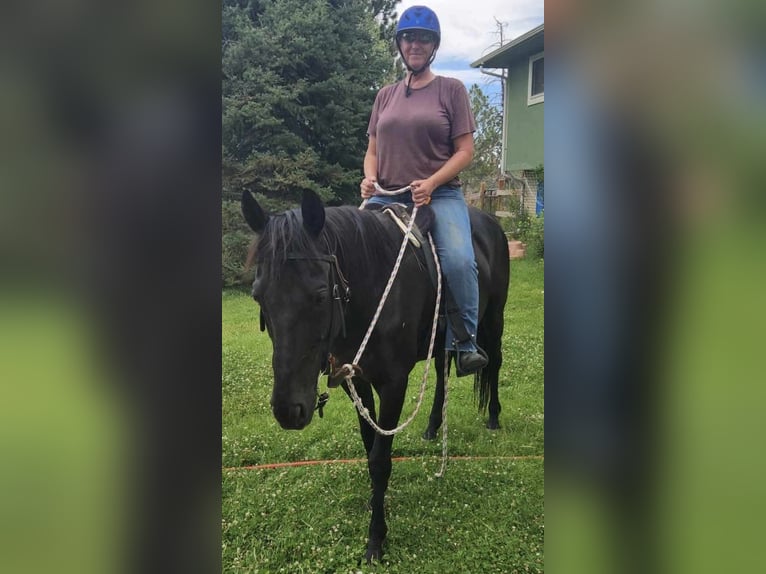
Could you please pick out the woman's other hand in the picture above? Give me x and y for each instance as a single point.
(421, 191)
(367, 187)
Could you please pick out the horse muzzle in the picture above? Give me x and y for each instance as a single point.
(292, 415)
(294, 394)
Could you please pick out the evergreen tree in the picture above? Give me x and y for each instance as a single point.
(299, 80)
(384, 12)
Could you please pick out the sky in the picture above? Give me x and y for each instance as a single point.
(469, 31)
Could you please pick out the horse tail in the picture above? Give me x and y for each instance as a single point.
(481, 389)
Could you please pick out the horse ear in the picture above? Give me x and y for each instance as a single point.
(313, 212)
(254, 215)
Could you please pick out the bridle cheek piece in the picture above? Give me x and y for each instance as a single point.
(341, 295)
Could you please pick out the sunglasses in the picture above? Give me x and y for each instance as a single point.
(422, 37)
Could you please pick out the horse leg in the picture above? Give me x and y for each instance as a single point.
(379, 465)
(491, 341)
(493, 374)
(435, 419)
(364, 390)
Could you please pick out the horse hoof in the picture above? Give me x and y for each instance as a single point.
(493, 425)
(374, 552)
(430, 434)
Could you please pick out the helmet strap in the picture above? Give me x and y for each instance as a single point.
(413, 71)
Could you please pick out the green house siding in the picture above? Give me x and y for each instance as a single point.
(523, 137)
(524, 124)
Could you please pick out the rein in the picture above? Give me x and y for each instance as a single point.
(383, 191)
(349, 370)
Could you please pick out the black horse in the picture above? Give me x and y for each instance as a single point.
(319, 276)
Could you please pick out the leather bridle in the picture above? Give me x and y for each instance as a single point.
(340, 295)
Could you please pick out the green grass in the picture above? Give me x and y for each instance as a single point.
(483, 516)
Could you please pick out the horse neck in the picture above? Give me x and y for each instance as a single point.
(366, 256)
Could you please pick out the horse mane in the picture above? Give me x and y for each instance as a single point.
(359, 238)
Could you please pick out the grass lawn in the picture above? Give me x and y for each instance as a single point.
(484, 516)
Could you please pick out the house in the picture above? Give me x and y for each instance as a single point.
(522, 61)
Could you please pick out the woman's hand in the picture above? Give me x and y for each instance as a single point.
(367, 187)
(421, 191)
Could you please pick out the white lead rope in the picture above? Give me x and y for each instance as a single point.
(382, 191)
(349, 368)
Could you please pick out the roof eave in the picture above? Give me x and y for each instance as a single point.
(482, 62)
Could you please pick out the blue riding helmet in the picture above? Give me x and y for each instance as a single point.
(419, 18)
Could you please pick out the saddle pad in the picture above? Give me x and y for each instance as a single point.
(423, 220)
(415, 237)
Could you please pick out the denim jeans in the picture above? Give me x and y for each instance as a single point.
(451, 231)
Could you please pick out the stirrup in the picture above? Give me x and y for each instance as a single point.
(477, 360)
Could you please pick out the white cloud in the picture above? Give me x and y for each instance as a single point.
(468, 27)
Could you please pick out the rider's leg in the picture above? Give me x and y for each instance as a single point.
(452, 235)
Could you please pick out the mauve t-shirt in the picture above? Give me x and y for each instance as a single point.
(414, 135)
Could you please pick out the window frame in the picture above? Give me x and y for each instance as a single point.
(537, 98)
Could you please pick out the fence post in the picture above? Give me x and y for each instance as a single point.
(482, 190)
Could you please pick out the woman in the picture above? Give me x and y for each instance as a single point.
(421, 136)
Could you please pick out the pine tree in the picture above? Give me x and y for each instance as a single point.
(299, 80)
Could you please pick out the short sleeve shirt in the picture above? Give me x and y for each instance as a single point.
(414, 135)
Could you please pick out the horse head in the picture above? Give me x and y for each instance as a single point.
(296, 286)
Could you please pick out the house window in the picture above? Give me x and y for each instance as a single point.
(536, 93)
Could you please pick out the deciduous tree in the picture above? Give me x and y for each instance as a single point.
(487, 138)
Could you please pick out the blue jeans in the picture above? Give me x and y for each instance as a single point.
(451, 231)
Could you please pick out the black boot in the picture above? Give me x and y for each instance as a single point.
(470, 362)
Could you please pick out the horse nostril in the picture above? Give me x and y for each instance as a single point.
(291, 415)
